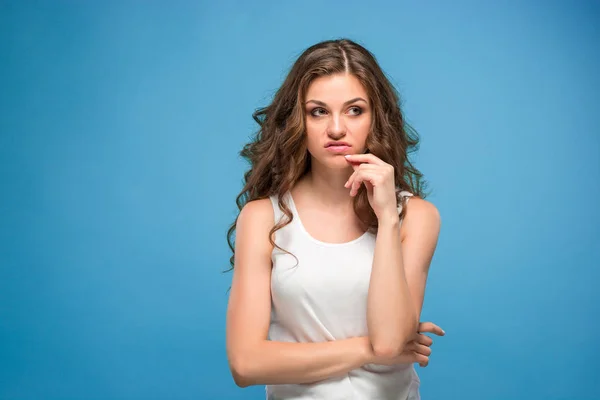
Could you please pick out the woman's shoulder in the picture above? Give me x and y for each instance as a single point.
(421, 215)
(259, 207)
(258, 213)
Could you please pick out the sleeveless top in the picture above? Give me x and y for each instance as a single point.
(324, 298)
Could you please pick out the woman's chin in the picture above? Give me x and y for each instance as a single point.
(336, 162)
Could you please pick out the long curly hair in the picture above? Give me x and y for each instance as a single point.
(278, 154)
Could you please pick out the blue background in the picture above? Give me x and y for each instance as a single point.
(121, 124)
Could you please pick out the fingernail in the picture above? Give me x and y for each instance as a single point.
(347, 155)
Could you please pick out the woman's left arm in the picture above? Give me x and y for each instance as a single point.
(399, 275)
(401, 260)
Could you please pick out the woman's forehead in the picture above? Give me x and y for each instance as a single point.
(336, 89)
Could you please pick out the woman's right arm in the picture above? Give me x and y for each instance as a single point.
(253, 359)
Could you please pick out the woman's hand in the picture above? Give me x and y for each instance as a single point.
(417, 350)
(378, 178)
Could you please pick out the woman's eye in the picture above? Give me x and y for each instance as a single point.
(316, 112)
(355, 110)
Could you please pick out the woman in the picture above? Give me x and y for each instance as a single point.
(331, 259)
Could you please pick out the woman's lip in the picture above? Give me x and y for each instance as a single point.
(337, 149)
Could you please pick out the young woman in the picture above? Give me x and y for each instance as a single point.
(331, 258)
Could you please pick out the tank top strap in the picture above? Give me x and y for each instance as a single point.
(404, 195)
(277, 212)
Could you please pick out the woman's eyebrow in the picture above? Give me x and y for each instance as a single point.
(320, 103)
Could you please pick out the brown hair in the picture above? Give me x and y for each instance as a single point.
(278, 154)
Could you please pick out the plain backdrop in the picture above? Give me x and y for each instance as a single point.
(121, 124)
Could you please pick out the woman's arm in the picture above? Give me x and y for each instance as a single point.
(253, 359)
(399, 274)
(402, 256)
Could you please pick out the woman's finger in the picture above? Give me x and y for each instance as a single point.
(349, 181)
(431, 328)
(424, 340)
(368, 157)
(358, 168)
(373, 177)
(422, 349)
(421, 359)
(411, 346)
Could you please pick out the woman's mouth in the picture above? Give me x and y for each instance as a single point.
(338, 148)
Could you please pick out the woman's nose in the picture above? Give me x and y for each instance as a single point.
(336, 125)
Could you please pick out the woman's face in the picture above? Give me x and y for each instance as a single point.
(337, 109)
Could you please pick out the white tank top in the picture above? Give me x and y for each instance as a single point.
(324, 298)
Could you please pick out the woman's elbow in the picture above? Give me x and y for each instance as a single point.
(393, 348)
(240, 371)
(387, 351)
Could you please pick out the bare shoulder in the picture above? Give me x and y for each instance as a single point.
(422, 217)
(254, 223)
(421, 208)
(257, 213)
